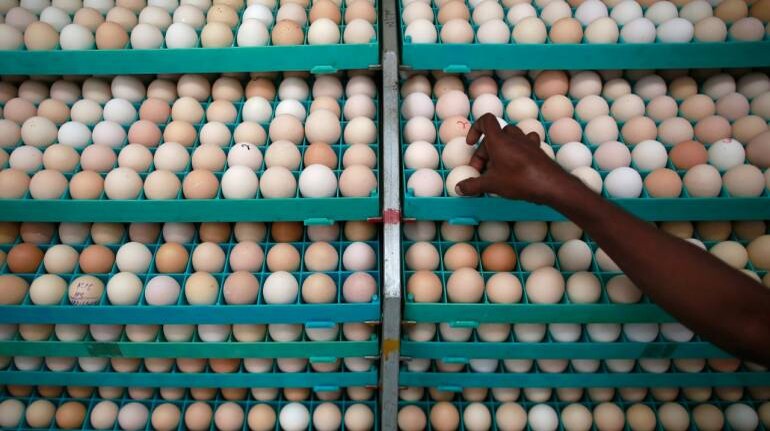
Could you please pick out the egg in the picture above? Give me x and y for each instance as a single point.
(663, 182)
(197, 416)
(162, 290)
(623, 182)
(744, 181)
(85, 290)
(529, 30)
(638, 30)
(70, 415)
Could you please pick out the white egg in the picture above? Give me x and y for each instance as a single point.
(623, 182)
(74, 134)
(649, 155)
(252, 32)
(258, 12)
(661, 11)
(239, 182)
(75, 37)
(676, 30)
(180, 35)
(589, 11)
(317, 181)
(726, 153)
(639, 30)
(627, 11)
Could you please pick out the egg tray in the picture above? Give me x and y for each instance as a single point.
(490, 403)
(183, 403)
(471, 210)
(570, 378)
(240, 378)
(182, 312)
(469, 315)
(311, 210)
(317, 59)
(466, 57)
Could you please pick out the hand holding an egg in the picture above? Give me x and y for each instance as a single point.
(511, 163)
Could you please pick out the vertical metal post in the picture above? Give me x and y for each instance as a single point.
(391, 301)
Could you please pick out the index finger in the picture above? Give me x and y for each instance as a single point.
(486, 125)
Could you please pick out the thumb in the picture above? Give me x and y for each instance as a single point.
(472, 186)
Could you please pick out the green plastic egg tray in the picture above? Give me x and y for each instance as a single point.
(469, 315)
(493, 405)
(465, 57)
(471, 210)
(181, 312)
(240, 378)
(311, 210)
(570, 378)
(314, 58)
(183, 403)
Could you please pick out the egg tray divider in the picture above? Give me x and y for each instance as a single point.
(311, 210)
(466, 57)
(318, 59)
(207, 378)
(182, 312)
(471, 210)
(156, 400)
(426, 404)
(469, 315)
(603, 378)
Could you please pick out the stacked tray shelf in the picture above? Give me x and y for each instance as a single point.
(467, 57)
(184, 399)
(319, 59)
(310, 210)
(449, 348)
(195, 331)
(471, 210)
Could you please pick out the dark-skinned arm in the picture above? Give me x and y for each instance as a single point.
(718, 302)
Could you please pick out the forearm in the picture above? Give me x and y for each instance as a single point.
(720, 303)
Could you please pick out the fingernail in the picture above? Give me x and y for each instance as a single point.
(458, 190)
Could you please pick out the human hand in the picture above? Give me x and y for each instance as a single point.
(512, 165)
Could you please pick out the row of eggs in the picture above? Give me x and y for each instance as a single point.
(585, 366)
(605, 416)
(199, 288)
(207, 333)
(591, 21)
(556, 332)
(183, 233)
(41, 26)
(188, 365)
(194, 416)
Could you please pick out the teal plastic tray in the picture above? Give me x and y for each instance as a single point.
(181, 312)
(463, 58)
(574, 380)
(471, 314)
(317, 59)
(310, 210)
(183, 403)
(471, 210)
(492, 405)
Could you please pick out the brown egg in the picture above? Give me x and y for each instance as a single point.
(360, 231)
(24, 258)
(197, 416)
(222, 13)
(222, 111)
(551, 82)
(730, 11)
(47, 184)
(320, 153)
(89, 18)
(144, 132)
(155, 110)
(171, 257)
(465, 285)
(319, 288)
(498, 257)
(638, 129)
(96, 258)
(208, 158)
(110, 35)
(444, 416)
(711, 129)
(325, 9)
(40, 36)
(70, 415)
(749, 127)
(63, 158)
(14, 289)
(19, 110)
(697, 106)
(224, 365)
(566, 30)
(14, 183)
(758, 150)
(216, 35)
(54, 110)
(191, 365)
(282, 257)
(98, 158)
(453, 127)
(86, 185)
(37, 233)
(20, 391)
(287, 32)
(107, 233)
(214, 232)
(181, 132)
(663, 183)
(241, 288)
(326, 102)
(261, 87)
(234, 394)
(357, 181)
(453, 9)
(8, 232)
(286, 231)
(761, 10)
(687, 154)
(461, 255)
(50, 391)
(200, 184)
(360, 9)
